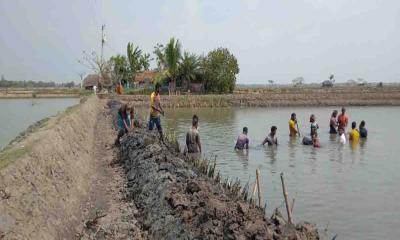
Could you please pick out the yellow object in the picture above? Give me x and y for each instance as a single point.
(292, 127)
(354, 135)
(154, 102)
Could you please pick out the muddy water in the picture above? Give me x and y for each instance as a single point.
(354, 189)
(18, 114)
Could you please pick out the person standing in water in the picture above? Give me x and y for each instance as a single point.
(242, 140)
(156, 110)
(354, 134)
(271, 139)
(193, 144)
(343, 120)
(333, 123)
(363, 131)
(314, 125)
(292, 126)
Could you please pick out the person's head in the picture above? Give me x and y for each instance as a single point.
(312, 118)
(293, 116)
(343, 110)
(353, 125)
(341, 131)
(245, 130)
(158, 87)
(362, 124)
(130, 108)
(334, 113)
(273, 130)
(123, 109)
(195, 121)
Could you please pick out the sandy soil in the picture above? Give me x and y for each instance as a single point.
(58, 183)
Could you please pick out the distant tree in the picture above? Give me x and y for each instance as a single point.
(271, 82)
(160, 57)
(144, 61)
(120, 68)
(172, 55)
(189, 67)
(361, 81)
(137, 60)
(298, 81)
(103, 68)
(220, 70)
(70, 84)
(351, 82)
(2, 77)
(332, 78)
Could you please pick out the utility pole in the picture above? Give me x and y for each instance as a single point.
(103, 40)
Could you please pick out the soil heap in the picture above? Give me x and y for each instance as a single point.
(176, 201)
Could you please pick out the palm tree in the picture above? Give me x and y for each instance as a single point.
(172, 54)
(189, 67)
(134, 55)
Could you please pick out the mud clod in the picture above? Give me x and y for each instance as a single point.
(177, 201)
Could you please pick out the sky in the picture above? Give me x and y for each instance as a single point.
(275, 40)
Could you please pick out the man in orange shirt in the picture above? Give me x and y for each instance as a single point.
(343, 120)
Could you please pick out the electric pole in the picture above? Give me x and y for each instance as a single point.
(103, 40)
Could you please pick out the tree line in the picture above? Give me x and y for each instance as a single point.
(216, 70)
(32, 84)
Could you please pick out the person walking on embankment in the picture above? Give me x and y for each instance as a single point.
(156, 110)
(193, 144)
(343, 120)
(292, 126)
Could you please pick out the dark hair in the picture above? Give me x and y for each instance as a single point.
(122, 110)
(273, 128)
(293, 115)
(195, 120)
(158, 85)
(334, 113)
(353, 125)
(362, 123)
(343, 109)
(245, 129)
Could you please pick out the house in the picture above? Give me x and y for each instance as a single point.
(90, 81)
(145, 78)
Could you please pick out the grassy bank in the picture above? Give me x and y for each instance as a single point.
(278, 97)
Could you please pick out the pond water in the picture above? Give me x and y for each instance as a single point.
(18, 114)
(354, 189)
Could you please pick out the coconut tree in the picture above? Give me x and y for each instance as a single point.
(172, 54)
(189, 67)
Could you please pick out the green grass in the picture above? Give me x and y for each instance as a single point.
(9, 155)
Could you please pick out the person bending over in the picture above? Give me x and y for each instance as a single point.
(123, 122)
(242, 140)
(271, 139)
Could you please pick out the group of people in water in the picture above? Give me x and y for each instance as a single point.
(337, 125)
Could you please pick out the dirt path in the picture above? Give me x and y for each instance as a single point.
(109, 216)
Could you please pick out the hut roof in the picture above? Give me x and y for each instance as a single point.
(142, 76)
(91, 80)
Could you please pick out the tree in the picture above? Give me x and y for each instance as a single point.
(134, 54)
(97, 65)
(220, 70)
(120, 69)
(189, 67)
(3, 78)
(159, 50)
(144, 61)
(172, 55)
(298, 81)
(271, 82)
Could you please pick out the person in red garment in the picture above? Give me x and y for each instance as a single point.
(343, 120)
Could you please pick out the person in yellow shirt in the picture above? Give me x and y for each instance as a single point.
(292, 126)
(156, 110)
(354, 134)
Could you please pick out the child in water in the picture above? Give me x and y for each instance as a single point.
(314, 125)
